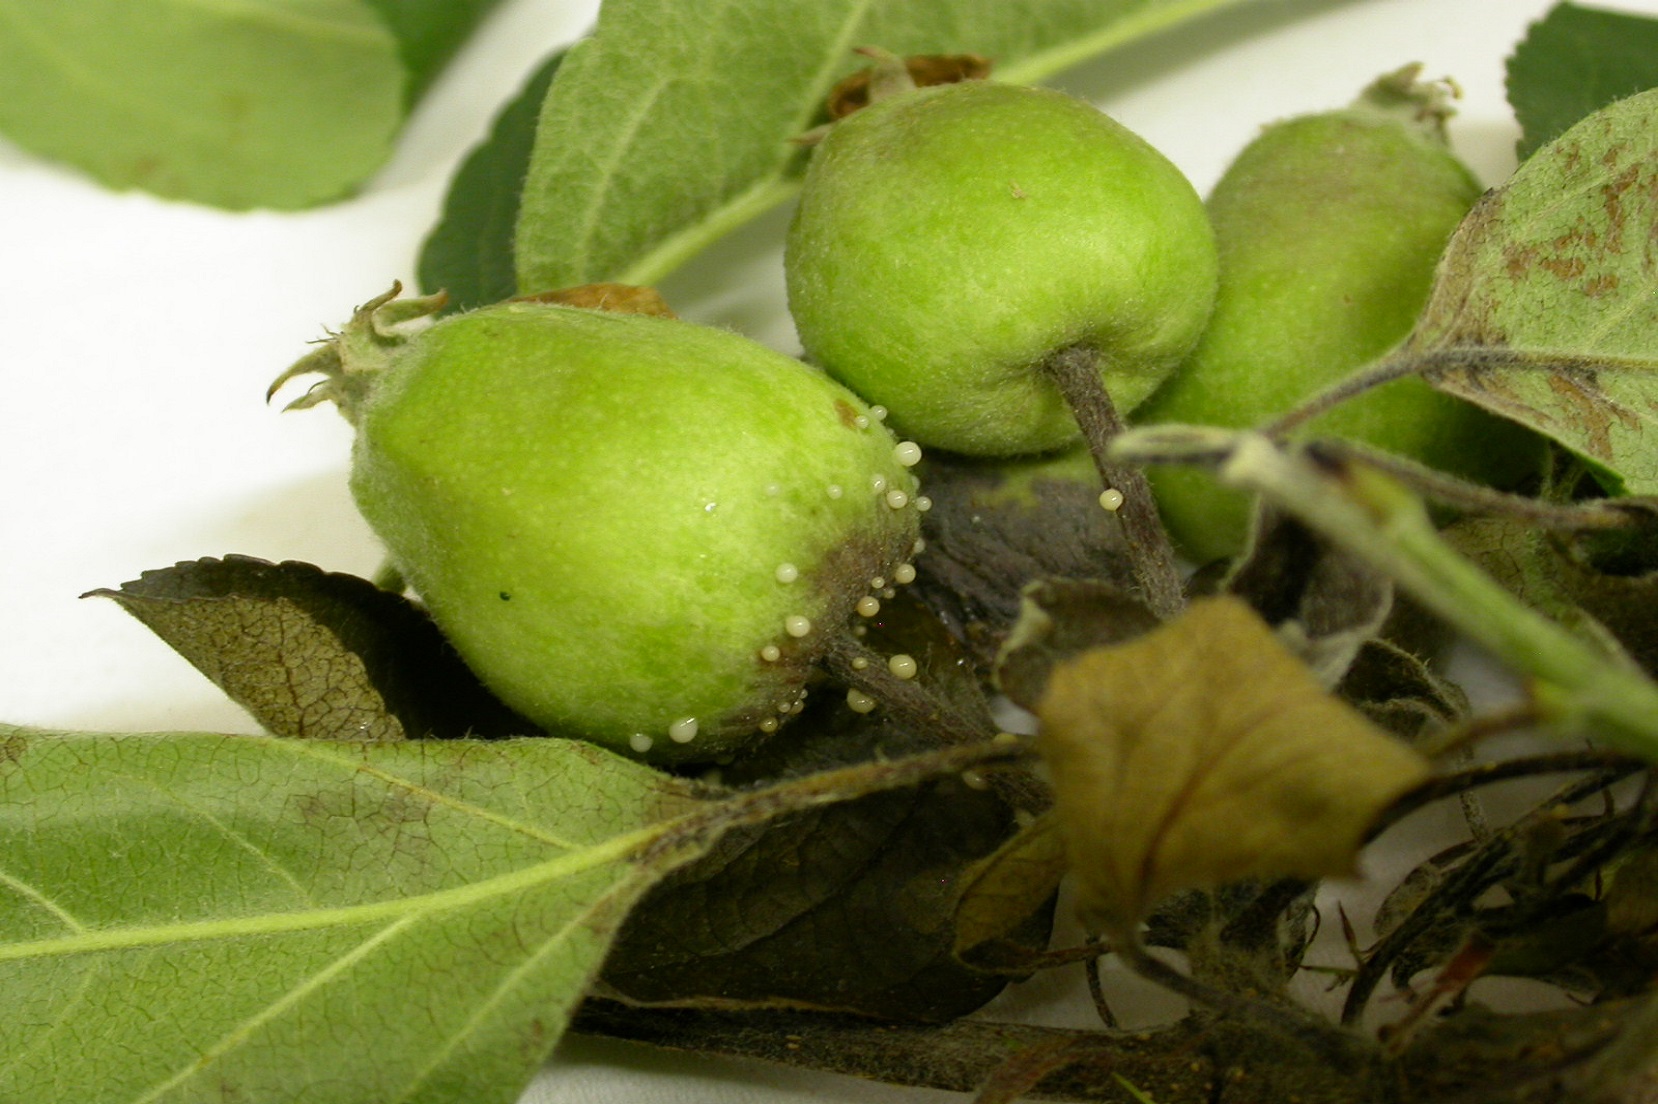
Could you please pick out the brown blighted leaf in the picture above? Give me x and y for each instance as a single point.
(997, 525)
(905, 625)
(1244, 936)
(1205, 753)
(314, 654)
(1059, 620)
(1000, 892)
(1323, 601)
(1616, 583)
(853, 92)
(1544, 308)
(615, 298)
(1398, 690)
(1565, 578)
(848, 907)
(1632, 898)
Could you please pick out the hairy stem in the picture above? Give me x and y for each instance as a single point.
(1407, 361)
(1075, 371)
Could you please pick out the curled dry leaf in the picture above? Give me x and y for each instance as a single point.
(314, 654)
(1000, 892)
(1205, 753)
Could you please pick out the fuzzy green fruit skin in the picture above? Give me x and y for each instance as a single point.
(951, 238)
(1329, 228)
(594, 508)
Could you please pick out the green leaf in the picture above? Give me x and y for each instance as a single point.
(193, 916)
(1543, 309)
(264, 103)
(1575, 61)
(469, 253)
(428, 33)
(316, 655)
(672, 124)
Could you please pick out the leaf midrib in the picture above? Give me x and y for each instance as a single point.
(412, 906)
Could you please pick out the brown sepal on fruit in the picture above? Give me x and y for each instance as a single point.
(615, 298)
(855, 90)
(889, 76)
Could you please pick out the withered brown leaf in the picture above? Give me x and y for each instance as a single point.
(1205, 753)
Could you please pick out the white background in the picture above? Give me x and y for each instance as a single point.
(139, 336)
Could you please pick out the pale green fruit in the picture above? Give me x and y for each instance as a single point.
(1329, 228)
(950, 239)
(635, 530)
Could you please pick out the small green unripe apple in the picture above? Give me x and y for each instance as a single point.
(635, 530)
(1329, 228)
(950, 239)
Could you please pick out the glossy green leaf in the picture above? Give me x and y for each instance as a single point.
(200, 917)
(263, 103)
(1545, 307)
(673, 123)
(1576, 60)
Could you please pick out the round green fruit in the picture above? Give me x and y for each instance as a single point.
(1329, 227)
(949, 240)
(635, 530)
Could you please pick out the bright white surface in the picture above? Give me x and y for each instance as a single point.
(140, 336)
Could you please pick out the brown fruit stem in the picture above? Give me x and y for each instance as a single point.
(1075, 370)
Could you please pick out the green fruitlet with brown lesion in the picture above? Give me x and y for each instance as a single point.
(635, 530)
(1329, 228)
(950, 240)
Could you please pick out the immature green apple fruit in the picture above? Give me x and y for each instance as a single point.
(950, 239)
(1329, 228)
(634, 529)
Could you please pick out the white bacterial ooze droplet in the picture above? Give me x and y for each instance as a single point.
(897, 499)
(868, 606)
(683, 731)
(787, 572)
(796, 625)
(903, 574)
(859, 702)
(771, 653)
(1111, 499)
(907, 453)
(902, 666)
(640, 742)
